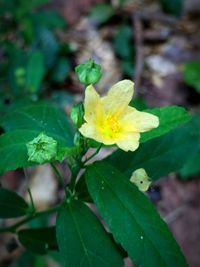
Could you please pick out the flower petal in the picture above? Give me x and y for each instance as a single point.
(91, 103)
(89, 130)
(134, 120)
(118, 97)
(130, 142)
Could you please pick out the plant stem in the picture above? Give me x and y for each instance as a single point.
(57, 173)
(30, 217)
(32, 202)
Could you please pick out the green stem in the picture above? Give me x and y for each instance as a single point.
(93, 155)
(61, 178)
(32, 202)
(57, 173)
(30, 217)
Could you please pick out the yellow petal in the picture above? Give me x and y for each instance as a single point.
(118, 97)
(130, 141)
(89, 130)
(134, 120)
(91, 103)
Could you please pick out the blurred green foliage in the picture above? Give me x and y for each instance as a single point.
(172, 7)
(191, 74)
(31, 55)
(123, 44)
(101, 13)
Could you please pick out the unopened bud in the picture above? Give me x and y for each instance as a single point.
(88, 72)
(42, 149)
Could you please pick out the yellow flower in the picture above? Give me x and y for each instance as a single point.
(110, 120)
(141, 179)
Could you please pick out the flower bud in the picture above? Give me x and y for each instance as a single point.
(88, 72)
(77, 114)
(42, 149)
(141, 179)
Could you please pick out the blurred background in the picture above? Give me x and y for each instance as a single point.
(156, 43)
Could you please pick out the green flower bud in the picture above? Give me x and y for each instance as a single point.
(77, 114)
(88, 72)
(42, 149)
(141, 179)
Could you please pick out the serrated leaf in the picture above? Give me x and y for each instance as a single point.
(161, 155)
(40, 117)
(169, 118)
(38, 240)
(82, 240)
(11, 204)
(132, 219)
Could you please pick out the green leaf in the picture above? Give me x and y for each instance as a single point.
(132, 219)
(161, 155)
(82, 240)
(192, 166)
(11, 204)
(191, 74)
(123, 42)
(101, 13)
(13, 146)
(61, 70)
(38, 240)
(40, 117)
(49, 18)
(170, 117)
(174, 7)
(35, 71)
(48, 44)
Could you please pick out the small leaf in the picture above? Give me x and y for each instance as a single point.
(11, 204)
(35, 71)
(132, 219)
(101, 13)
(39, 240)
(82, 240)
(191, 74)
(123, 42)
(174, 7)
(169, 118)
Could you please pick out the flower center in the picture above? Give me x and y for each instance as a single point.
(110, 127)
